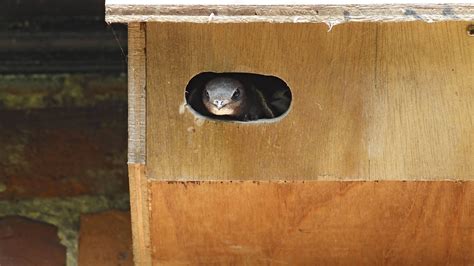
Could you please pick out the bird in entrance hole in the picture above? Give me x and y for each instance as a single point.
(227, 96)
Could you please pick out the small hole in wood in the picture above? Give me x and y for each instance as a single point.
(470, 30)
(238, 96)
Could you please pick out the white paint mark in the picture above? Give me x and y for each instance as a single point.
(182, 107)
(211, 16)
(330, 25)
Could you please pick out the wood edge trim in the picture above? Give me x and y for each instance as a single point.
(290, 182)
(137, 93)
(140, 214)
(329, 14)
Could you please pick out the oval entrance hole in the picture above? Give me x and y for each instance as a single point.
(238, 96)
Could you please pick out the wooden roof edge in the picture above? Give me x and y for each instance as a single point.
(329, 14)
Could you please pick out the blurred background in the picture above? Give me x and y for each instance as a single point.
(63, 135)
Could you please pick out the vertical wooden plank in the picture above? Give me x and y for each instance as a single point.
(136, 93)
(139, 209)
(139, 202)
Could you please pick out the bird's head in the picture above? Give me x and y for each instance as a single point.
(223, 96)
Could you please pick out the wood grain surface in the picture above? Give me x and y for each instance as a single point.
(140, 214)
(391, 101)
(136, 93)
(421, 118)
(312, 223)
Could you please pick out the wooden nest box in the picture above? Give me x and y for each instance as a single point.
(372, 163)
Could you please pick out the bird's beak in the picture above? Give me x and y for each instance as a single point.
(219, 104)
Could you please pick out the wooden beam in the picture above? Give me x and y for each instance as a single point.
(139, 210)
(139, 202)
(300, 11)
(136, 93)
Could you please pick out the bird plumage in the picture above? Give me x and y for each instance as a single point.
(227, 96)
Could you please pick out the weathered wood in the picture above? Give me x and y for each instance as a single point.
(421, 115)
(105, 239)
(312, 223)
(299, 11)
(136, 93)
(370, 101)
(139, 209)
(82, 149)
(24, 240)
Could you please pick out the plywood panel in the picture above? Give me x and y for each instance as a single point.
(421, 114)
(312, 223)
(370, 101)
(323, 135)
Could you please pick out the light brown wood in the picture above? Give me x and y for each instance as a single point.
(139, 209)
(370, 102)
(421, 117)
(136, 93)
(300, 11)
(312, 223)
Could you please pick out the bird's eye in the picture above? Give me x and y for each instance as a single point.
(236, 94)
